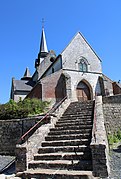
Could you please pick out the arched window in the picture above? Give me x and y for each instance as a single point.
(83, 66)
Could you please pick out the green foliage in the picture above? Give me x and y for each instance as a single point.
(119, 134)
(21, 109)
(114, 138)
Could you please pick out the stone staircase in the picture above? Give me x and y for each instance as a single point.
(66, 152)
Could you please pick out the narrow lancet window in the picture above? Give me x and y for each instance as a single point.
(83, 66)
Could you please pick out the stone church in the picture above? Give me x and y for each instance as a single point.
(73, 144)
(76, 73)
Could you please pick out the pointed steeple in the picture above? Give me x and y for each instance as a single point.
(26, 74)
(43, 45)
(43, 49)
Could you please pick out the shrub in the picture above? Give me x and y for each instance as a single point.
(114, 138)
(21, 109)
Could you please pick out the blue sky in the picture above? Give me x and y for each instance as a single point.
(20, 32)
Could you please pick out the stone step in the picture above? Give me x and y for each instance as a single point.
(74, 131)
(78, 115)
(79, 107)
(84, 121)
(67, 137)
(61, 164)
(66, 142)
(72, 128)
(63, 156)
(77, 123)
(60, 121)
(79, 110)
(86, 103)
(55, 174)
(82, 103)
(58, 164)
(83, 118)
(82, 148)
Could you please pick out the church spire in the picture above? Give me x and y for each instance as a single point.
(27, 75)
(43, 45)
(43, 48)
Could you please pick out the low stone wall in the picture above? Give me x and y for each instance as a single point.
(11, 131)
(112, 113)
(112, 99)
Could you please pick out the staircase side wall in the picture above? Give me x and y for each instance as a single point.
(99, 144)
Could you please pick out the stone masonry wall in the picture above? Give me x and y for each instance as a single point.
(99, 143)
(11, 131)
(112, 113)
(77, 49)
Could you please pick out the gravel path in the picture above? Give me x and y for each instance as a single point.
(115, 162)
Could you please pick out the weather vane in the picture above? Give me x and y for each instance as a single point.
(43, 21)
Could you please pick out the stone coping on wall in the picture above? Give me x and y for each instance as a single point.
(112, 99)
(23, 119)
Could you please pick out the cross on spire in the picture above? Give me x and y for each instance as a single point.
(43, 22)
(43, 45)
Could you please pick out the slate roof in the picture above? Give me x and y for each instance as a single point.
(23, 85)
(43, 44)
(119, 84)
(27, 73)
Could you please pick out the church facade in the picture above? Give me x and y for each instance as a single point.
(75, 73)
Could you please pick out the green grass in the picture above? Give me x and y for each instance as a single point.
(114, 138)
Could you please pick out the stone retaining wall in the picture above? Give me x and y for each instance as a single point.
(112, 113)
(11, 131)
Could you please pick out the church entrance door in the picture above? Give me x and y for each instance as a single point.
(83, 92)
